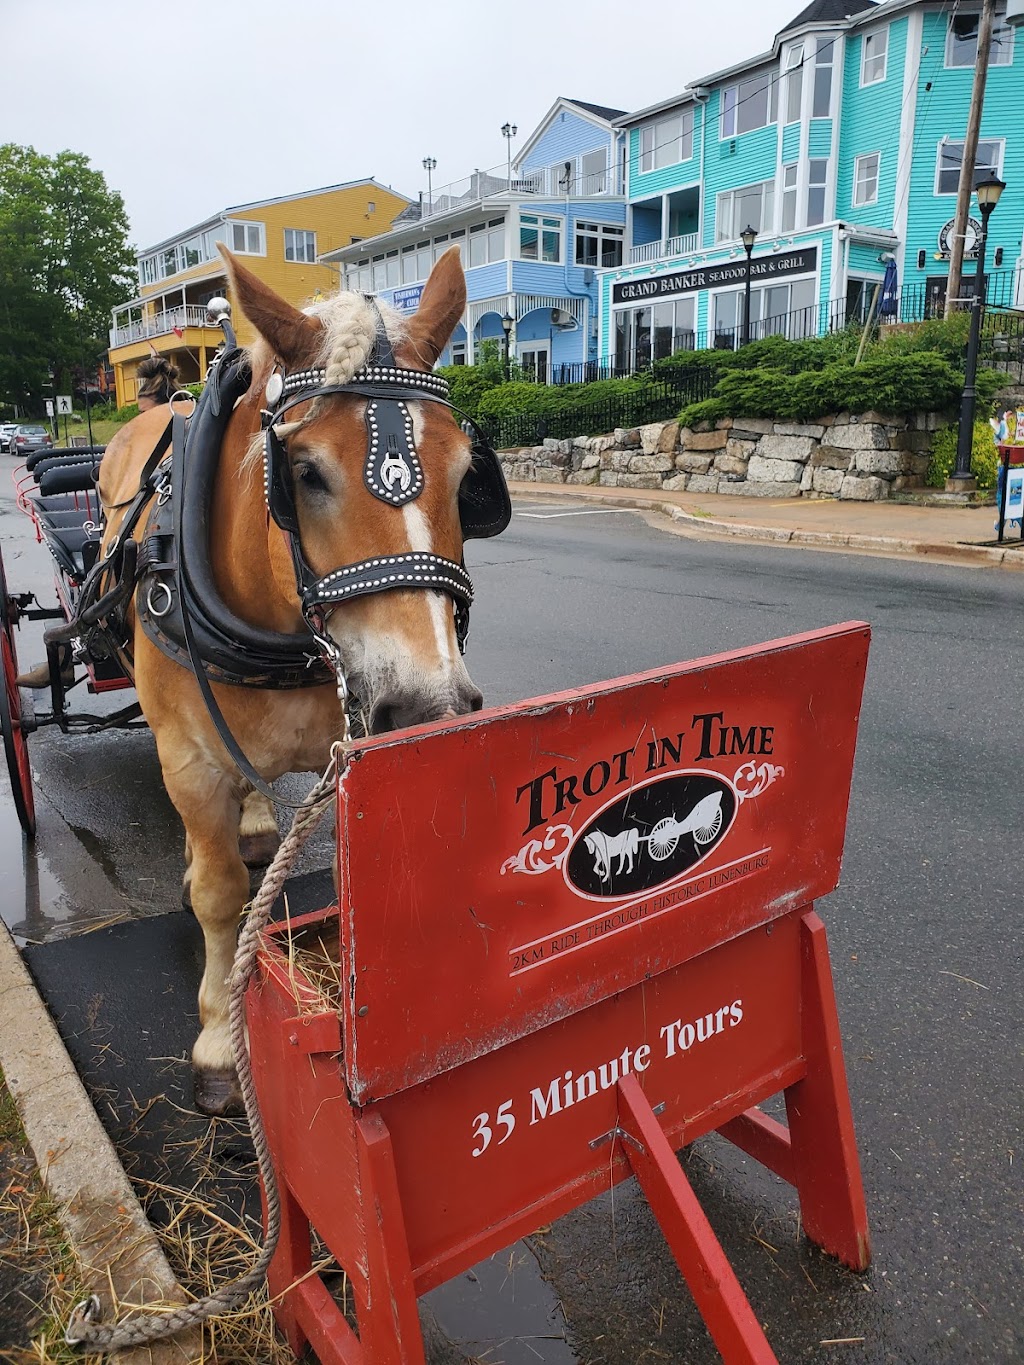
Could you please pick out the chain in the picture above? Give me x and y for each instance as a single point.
(84, 1327)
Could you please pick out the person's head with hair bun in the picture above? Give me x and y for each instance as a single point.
(157, 381)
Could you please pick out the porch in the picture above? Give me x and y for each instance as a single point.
(664, 227)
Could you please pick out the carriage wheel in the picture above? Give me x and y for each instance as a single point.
(706, 833)
(662, 840)
(11, 716)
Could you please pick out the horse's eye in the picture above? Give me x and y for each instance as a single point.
(310, 477)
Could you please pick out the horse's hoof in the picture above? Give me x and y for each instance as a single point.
(259, 850)
(217, 1092)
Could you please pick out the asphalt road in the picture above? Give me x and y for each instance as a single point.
(924, 930)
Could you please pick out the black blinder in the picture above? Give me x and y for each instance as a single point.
(485, 508)
(278, 484)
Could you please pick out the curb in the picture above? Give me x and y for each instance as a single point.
(113, 1242)
(989, 556)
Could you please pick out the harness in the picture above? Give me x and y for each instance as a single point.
(177, 599)
(392, 472)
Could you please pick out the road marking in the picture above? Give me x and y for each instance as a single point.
(584, 512)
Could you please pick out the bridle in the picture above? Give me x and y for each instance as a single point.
(392, 473)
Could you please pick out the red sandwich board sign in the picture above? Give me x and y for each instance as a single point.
(575, 934)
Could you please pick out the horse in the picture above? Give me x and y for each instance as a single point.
(398, 648)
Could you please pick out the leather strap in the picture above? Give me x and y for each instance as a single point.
(216, 715)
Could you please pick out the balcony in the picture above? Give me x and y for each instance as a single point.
(684, 245)
(485, 184)
(160, 324)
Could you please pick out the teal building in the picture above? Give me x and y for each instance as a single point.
(841, 147)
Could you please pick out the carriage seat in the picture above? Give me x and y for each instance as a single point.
(62, 453)
(67, 476)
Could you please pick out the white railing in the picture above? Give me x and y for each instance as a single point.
(159, 325)
(657, 251)
(484, 184)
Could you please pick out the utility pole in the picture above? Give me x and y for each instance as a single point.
(966, 185)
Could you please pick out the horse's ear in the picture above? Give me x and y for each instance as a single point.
(442, 304)
(291, 335)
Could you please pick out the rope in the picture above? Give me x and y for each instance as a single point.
(84, 1327)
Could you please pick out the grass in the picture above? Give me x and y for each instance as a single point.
(37, 1265)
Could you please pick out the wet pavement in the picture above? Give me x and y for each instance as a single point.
(923, 930)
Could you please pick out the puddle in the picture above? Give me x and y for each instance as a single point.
(503, 1310)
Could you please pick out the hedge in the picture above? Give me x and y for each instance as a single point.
(984, 456)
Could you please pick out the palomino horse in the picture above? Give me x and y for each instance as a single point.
(399, 648)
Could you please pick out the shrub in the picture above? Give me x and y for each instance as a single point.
(890, 381)
(984, 456)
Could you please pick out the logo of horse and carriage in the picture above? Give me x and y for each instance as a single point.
(650, 836)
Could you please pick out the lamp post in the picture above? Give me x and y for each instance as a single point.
(430, 165)
(962, 481)
(508, 132)
(748, 237)
(507, 323)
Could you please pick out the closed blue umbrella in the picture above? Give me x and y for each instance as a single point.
(889, 302)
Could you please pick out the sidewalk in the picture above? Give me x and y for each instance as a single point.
(946, 534)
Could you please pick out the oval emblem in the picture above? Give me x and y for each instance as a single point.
(652, 835)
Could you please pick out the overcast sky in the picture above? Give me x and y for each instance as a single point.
(189, 107)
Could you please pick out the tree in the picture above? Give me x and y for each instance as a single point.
(64, 263)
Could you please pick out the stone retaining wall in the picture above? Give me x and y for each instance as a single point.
(862, 458)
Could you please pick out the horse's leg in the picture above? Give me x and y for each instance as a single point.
(186, 881)
(258, 837)
(209, 803)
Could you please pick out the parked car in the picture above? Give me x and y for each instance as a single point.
(7, 430)
(25, 439)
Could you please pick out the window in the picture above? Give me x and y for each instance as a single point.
(873, 54)
(168, 262)
(247, 239)
(191, 253)
(794, 82)
(752, 205)
(478, 245)
(787, 310)
(380, 274)
(789, 174)
(750, 104)
(441, 245)
(951, 154)
(646, 334)
(595, 172)
(371, 207)
(392, 270)
(821, 105)
(299, 246)
(423, 260)
(409, 275)
(865, 179)
(817, 177)
(147, 270)
(962, 40)
(540, 239)
(598, 244)
(496, 239)
(666, 142)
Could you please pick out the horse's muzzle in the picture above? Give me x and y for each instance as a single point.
(399, 712)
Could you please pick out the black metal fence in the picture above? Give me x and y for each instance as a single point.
(657, 400)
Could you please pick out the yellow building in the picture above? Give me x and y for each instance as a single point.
(280, 240)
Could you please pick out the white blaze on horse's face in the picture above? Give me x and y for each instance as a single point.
(399, 647)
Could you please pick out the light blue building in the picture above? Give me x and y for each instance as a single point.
(841, 147)
(534, 234)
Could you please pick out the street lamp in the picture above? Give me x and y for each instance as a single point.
(748, 237)
(508, 132)
(961, 481)
(430, 165)
(507, 323)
